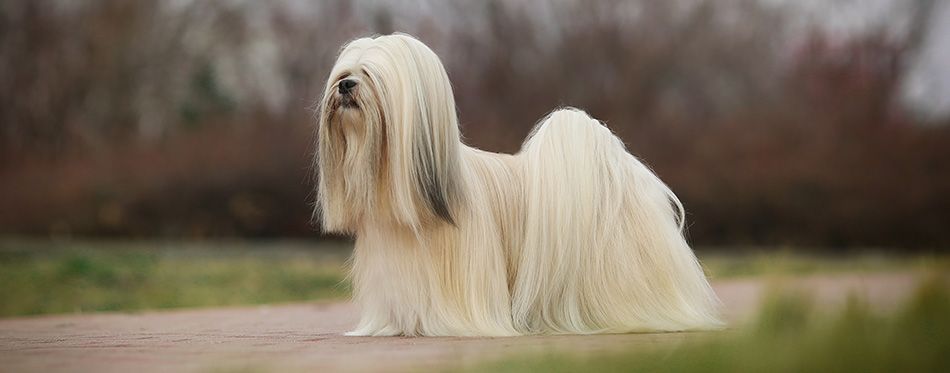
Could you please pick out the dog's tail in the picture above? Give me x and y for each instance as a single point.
(603, 239)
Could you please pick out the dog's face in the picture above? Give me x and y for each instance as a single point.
(351, 101)
(348, 96)
(388, 136)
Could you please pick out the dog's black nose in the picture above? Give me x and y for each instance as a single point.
(346, 85)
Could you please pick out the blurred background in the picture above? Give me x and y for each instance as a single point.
(808, 123)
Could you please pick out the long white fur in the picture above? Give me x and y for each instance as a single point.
(571, 235)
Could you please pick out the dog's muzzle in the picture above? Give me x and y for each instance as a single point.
(346, 89)
(346, 86)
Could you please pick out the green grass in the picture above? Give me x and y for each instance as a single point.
(46, 277)
(49, 276)
(788, 336)
(785, 262)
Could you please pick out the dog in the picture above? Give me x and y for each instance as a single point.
(572, 235)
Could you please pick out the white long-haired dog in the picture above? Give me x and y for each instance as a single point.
(571, 235)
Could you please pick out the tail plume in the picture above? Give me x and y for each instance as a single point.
(604, 249)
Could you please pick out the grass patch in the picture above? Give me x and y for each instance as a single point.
(788, 336)
(720, 265)
(50, 276)
(45, 277)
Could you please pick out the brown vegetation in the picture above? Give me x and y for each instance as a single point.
(126, 118)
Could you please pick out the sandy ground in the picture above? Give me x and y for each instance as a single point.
(308, 337)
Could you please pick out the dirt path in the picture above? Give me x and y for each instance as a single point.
(307, 337)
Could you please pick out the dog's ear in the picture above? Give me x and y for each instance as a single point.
(423, 134)
(434, 174)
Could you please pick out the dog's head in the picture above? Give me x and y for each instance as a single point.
(388, 137)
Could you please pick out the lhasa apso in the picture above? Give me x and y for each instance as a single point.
(571, 235)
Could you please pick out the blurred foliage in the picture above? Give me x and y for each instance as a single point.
(194, 118)
(41, 278)
(789, 336)
(720, 263)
